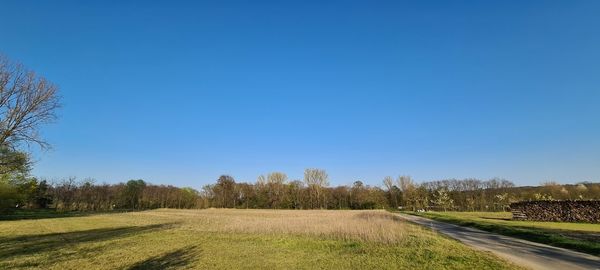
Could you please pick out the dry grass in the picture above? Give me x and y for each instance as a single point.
(369, 225)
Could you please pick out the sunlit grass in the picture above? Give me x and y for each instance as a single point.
(233, 239)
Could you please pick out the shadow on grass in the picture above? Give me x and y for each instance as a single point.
(32, 244)
(21, 214)
(172, 260)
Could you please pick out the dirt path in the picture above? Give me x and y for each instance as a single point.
(521, 252)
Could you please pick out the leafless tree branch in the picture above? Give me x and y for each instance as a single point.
(27, 101)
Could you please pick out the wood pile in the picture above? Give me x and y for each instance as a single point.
(559, 211)
(518, 215)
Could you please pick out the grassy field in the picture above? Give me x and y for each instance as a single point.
(582, 237)
(233, 239)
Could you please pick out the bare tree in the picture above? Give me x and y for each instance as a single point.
(26, 102)
(276, 182)
(408, 188)
(405, 183)
(277, 178)
(316, 179)
(388, 182)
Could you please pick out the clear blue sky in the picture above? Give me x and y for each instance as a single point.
(180, 93)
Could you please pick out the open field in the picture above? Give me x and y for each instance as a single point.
(583, 237)
(233, 239)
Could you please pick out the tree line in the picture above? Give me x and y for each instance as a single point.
(276, 191)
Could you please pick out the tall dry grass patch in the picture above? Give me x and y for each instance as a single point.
(369, 225)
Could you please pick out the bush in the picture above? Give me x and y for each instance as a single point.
(8, 196)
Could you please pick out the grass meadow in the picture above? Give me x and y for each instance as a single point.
(233, 239)
(583, 237)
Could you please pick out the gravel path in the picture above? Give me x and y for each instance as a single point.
(521, 252)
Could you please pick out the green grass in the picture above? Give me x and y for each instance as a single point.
(583, 237)
(201, 239)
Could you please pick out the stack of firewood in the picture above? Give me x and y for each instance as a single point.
(560, 211)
